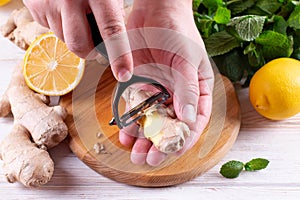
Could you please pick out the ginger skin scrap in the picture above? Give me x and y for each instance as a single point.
(37, 127)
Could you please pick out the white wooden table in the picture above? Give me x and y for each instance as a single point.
(277, 141)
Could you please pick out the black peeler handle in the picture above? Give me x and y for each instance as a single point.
(158, 98)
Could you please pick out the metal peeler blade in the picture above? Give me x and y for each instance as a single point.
(135, 112)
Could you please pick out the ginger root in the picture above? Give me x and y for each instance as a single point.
(31, 116)
(159, 123)
(23, 161)
(21, 29)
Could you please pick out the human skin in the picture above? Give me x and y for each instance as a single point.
(67, 19)
(190, 83)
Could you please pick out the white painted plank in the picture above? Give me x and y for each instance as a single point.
(72, 179)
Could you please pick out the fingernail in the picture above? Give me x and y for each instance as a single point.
(189, 113)
(124, 75)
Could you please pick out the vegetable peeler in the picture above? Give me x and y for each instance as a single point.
(135, 113)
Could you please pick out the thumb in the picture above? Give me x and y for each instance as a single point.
(186, 95)
(111, 24)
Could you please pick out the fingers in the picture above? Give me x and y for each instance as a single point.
(155, 157)
(144, 152)
(76, 30)
(186, 93)
(55, 25)
(140, 150)
(37, 10)
(128, 135)
(112, 28)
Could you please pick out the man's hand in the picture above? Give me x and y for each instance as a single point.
(67, 19)
(167, 47)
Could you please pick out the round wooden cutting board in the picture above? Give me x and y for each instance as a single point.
(89, 108)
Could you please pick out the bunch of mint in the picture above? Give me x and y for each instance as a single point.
(242, 35)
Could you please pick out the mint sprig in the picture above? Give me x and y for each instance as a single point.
(233, 168)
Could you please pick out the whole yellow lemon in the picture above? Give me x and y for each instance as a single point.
(3, 2)
(274, 89)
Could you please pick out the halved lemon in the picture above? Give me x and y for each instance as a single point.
(4, 2)
(50, 68)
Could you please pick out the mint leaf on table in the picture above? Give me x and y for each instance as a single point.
(248, 27)
(232, 169)
(222, 15)
(220, 43)
(256, 164)
(294, 19)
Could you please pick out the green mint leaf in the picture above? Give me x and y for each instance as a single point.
(239, 6)
(294, 19)
(286, 9)
(275, 44)
(232, 169)
(196, 4)
(222, 15)
(220, 43)
(256, 11)
(248, 27)
(256, 164)
(212, 5)
(280, 25)
(269, 6)
(255, 56)
(232, 64)
(204, 24)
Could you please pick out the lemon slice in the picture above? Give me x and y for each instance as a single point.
(50, 68)
(3, 2)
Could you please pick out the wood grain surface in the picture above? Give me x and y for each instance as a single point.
(89, 108)
(278, 141)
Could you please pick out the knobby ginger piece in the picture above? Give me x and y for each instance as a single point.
(29, 109)
(21, 29)
(23, 160)
(159, 123)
